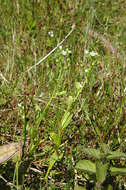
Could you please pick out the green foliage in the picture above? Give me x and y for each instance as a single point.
(101, 172)
(87, 166)
(117, 171)
(60, 96)
(101, 168)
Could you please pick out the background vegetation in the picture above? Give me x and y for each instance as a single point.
(73, 99)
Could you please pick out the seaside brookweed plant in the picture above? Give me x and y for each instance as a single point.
(56, 137)
(30, 31)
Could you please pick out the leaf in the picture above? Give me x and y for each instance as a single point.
(117, 171)
(95, 153)
(52, 161)
(101, 172)
(56, 138)
(87, 166)
(109, 187)
(116, 155)
(66, 120)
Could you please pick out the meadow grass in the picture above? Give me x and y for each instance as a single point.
(75, 98)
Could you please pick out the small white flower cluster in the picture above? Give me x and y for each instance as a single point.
(65, 52)
(51, 34)
(92, 53)
(86, 70)
(60, 47)
(19, 105)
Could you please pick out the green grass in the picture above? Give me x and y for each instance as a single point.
(92, 89)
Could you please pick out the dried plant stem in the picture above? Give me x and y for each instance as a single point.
(8, 183)
(53, 50)
(1, 75)
(105, 42)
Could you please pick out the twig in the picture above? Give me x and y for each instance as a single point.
(1, 75)
(35, 170)
(59, 44)
(106, 42)
(8, 183)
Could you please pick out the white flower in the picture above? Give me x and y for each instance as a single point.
(51, 34)
(60, 47)
(19, 105)
(86, 70)
(81, 86)
(92, 53)
(64, 52)
(23, 116)
(86, 51)
(69, 51)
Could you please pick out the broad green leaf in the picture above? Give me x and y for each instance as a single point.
(116, 155)
(87, 166)
(95, 153)
(56, 138)
(66, 120)
(117, 171)
(52, 161)
(101, 171)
